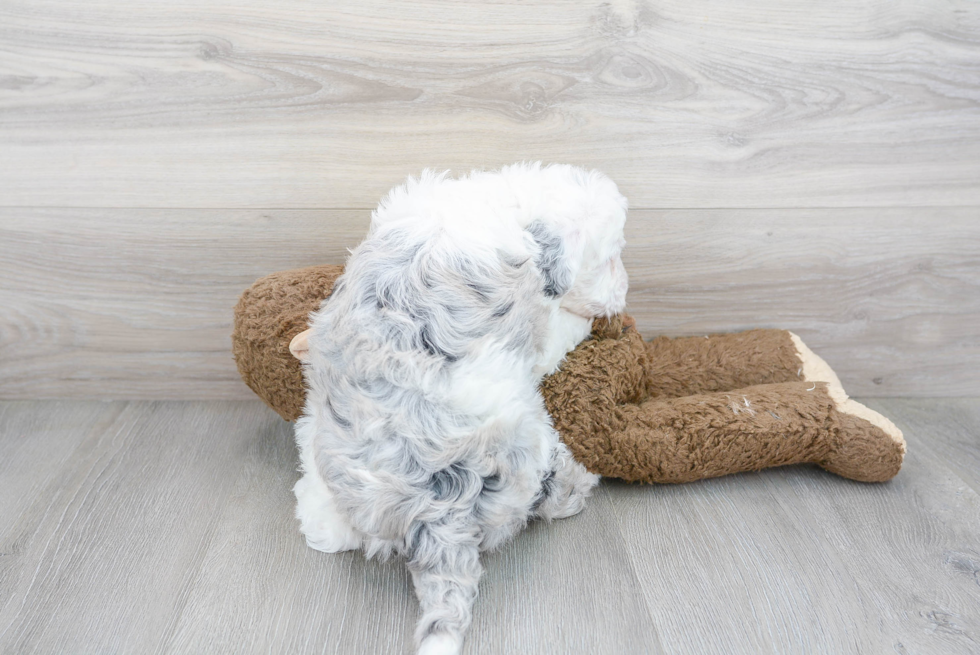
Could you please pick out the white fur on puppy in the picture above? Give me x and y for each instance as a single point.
(424, 433)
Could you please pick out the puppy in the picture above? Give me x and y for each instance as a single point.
(424, 433)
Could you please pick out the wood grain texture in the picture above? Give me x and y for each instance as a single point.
(138, 303)
(534, 600)
(250, 104)
(108, 556)
(39, 447)
(167, 527)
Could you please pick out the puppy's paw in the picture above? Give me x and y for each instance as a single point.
(567, 489)
(325, 527)
(331, 538)
(573, 497)
(440, 644)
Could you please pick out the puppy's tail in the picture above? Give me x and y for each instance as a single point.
(444, 560)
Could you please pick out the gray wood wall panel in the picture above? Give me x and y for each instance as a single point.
(890, 298)
(251, 104)
(137, 303)
(156, 159)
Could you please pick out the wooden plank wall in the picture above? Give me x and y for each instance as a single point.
(791, 164)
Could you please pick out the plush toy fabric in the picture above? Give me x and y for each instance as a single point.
(678, 410)
(268, 315)
(668, 410)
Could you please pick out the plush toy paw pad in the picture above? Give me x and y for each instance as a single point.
(870, 447)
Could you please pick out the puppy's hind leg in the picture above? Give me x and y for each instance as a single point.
(325, 526)
(565, 488)
(445, 564)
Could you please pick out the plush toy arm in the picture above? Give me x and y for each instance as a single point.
(268, 316)
(610, 365)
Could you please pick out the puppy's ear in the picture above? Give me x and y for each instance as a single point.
(554, 259)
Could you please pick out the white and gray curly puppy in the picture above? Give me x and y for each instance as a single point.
(424, 432)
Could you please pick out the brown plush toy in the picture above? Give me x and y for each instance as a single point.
(668, 410)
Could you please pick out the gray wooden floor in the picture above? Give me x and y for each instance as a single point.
(139, 527)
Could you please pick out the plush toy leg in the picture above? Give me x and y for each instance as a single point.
(709, 435)
(690, 365)
(816, 369)
(600, 402)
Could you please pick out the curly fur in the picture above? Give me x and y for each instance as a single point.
(424, 432)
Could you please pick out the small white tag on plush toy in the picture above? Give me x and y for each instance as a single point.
(300, 346)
